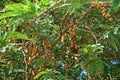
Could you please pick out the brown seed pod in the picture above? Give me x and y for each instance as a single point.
(29, 58)
(67, 66)
(102, 8)
(34, 57)
(30, 49)
(113, 16)
(91, 59)
(97, 71)
(2, 56)
(89, 77)
(77, 21)
(94, 5)
(98, 6)
(33, 53)
(33, 36)
(103, 14)
(107, 16)
(30, 63)
(53, 60)
(6, 27)
(23, 30)
(104, 11)
(42, 68)
(10, 40)
(10, 63)
(58, 3)
(25, 51)
(15, 40)
(62, 39)
(88, 28)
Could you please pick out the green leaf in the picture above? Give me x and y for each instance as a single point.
(113, 44)
(96, 47)
(45, 2)
(47, 71)
(78, 4)
(18, 35)
(105, 26)
(115, 30)
(10, 70)
(91, 68)
(33, 8)
(14, 10)
(10, 14)
(25, 1)
(85, 50)
(2, 61)
(4, 36)
(18, 70)
(15, 7)
(18, 9)
(3, 65)
(32, 39)
(100, 65)
(38, 62)
(106, 64)
(115, 3)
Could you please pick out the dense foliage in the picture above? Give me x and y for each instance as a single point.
(59, 39)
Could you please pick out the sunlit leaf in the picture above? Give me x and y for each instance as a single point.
(45, 2)
(14, 7)
(85, 50)
(10, 14)
(33, 8)
(47, 71)
(18, 35)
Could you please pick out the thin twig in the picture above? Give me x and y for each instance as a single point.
(51, 9)
(100, 77)
(26, 65)
(62, 23)
(93, 35)
(110, 76)
(85, 15)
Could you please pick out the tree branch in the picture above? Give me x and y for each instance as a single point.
(93, 35)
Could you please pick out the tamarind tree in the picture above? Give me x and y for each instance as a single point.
(59, 39)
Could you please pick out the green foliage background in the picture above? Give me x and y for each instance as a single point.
(58, 39)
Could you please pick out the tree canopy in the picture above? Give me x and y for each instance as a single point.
(59, 39)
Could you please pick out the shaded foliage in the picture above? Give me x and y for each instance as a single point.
(67, 39)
